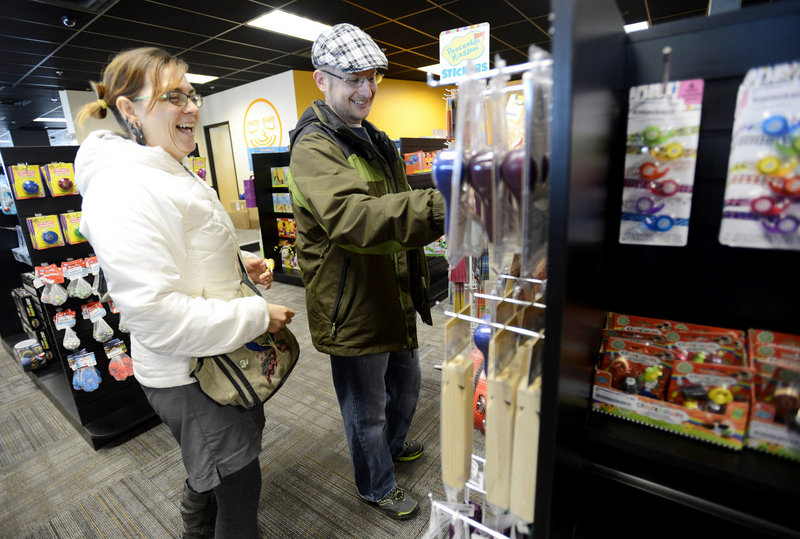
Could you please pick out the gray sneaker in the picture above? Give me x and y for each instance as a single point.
(398, 505)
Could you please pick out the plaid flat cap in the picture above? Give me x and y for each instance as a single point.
(347, 48)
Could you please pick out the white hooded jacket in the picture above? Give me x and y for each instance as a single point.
(168, 251)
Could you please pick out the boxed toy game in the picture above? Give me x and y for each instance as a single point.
(775, 414)
(685, 378)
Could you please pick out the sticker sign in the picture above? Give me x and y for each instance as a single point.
(457, 47)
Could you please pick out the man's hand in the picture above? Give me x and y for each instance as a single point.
(279, 317)
(259, 271)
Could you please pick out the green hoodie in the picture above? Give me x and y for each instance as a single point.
(360, 236)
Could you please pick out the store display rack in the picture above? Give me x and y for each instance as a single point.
(263, 162)
(600, 476)
(115, 407)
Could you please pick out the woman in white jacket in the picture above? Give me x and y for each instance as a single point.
(168, 251)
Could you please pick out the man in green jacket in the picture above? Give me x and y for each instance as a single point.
(360, 237)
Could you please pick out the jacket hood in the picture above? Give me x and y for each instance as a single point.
(104, 150)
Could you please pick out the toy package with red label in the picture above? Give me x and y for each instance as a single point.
(26, 182)
(775, 413)
(645, 364)
(60, 179)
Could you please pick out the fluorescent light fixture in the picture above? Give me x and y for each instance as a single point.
(199, 79)
(635, 27)
(291, 25)
(50, 120)
(436, 69)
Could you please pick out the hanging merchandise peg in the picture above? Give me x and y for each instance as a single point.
(666, 52)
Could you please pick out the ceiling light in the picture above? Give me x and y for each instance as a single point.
(199, 79)
(436, 69)
(635, 27)
(50, 120)
(291, 25)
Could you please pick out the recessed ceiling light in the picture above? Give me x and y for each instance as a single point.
(50, 120)
(436, 69)
(635, 27)
(199, 79)
(291, 25)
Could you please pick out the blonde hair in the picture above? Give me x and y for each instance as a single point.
(126, 74)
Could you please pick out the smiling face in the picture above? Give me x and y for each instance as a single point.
(351, 103)
(166, 125)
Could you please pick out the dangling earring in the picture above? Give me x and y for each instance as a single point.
(136, 131)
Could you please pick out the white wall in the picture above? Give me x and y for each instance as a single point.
(231, 105)
(71, 103)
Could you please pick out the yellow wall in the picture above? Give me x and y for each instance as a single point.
(401, 108)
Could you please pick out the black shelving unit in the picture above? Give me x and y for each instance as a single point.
(116, 407)
(262, 183)
(601, 476)
(437, 265)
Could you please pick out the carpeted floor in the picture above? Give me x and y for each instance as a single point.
(53, 484)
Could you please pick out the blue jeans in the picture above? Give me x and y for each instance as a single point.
(378, 396)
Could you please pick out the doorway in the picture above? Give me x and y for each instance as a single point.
(223, 167)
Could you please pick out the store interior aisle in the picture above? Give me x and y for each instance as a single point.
(53, 484)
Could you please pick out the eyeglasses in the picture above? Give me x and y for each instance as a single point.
(179, 99)
(355, 82)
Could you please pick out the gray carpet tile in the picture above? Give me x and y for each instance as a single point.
(53, 484)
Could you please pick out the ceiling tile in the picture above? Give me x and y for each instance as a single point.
(230, 10)
(256, 37)
(433, 22)
(232, 49)
(333, 12)
(394, 10)
(169, 16)
(533, 9)
(476, 12)
(398, 35)
(34, 31)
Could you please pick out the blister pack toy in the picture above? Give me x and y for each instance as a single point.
(7, 205)
(45, 231)
(26, 182)
(70, 223)
(708, 387)
(762, 193)
(60, 179)
(663, 132)
(775, 414)
(637, 368)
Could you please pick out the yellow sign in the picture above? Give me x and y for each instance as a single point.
(262, 125)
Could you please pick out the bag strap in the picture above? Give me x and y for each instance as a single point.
(245, 277)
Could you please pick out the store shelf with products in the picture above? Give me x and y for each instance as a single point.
(646, 474)
(269, 183)
(276, 242)
(437, 265)
(115, 407)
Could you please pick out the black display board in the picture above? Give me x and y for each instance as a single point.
(605, 477)
(263, 163)
(115, 406)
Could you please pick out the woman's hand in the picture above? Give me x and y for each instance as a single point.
(279, 317)
(259, 271)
